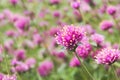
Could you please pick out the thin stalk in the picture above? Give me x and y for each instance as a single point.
(5, 58)
(82, 16)
(113, 69)
(84, 66)
(23, 4)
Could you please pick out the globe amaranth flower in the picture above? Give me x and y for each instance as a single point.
(55, 2)
(22, 23)
(75, 5)
(69, 36)
(13, 2)
(83, 50)
(98, 38)
(111, 10)
(8, 77)
(30, 62)
(107, 56)
(105, 25)
(74, 62)
(45, 68)
(20, 54)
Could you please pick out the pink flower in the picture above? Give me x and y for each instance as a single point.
(37, 39)
(21, 67)
(56, 14)
(111, 10)
(107, 56)
(1, 76)
(74, 62)
(22, 23)
(98, 38)
(20, 54)
(45, 68)
(8, 77)
(30, 62)
(105, 25)
(83, 50)
(69, 36)
(14, 2)
(75, 5)
(54, 1)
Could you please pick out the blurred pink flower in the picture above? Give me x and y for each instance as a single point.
(98, 38)
(111, 10)
(45, 68)
(74, 62)
(30, 62)
(13, 2)
(20, 54)
(83, 50)
(106, 24)
(107, 56)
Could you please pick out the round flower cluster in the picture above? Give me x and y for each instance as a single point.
(8, 77)
(111, 10)
(45, 68)
(74, 62)
(105, 25)
(107, 56)
(83, 50)
(69, 36)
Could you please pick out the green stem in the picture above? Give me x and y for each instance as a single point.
(113, 69)
(5, 59)
(84, 66)
(82, 16)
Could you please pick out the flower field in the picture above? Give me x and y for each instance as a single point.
(59, 40)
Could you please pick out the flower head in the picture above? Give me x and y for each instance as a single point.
(98, 38)
(74, 62)
(69, 36)
(8, 77)
(83, 50)
(105, 25)
(107, 56)
(75, 5)
(45, 68)
(14, 2)
(111, 10)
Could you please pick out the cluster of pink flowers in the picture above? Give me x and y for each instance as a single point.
(7, 77)
(83, 50)
(45, 68)
(74, 62)
(70, 36)
(107, 56)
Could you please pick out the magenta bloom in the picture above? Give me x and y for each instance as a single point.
(69, 36)
(98, 38)
(8, 77)
(56, 14)
(45, 68)
(111, 10)
(14, 2)
(107, 56)
(21, 67)
(22, 23)
(74, 62)
(75, 5)
(54, 1)
(37, 39)
(105, 25)
(83, 50)
(1, 76)
(20, 54)
(30, 62)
